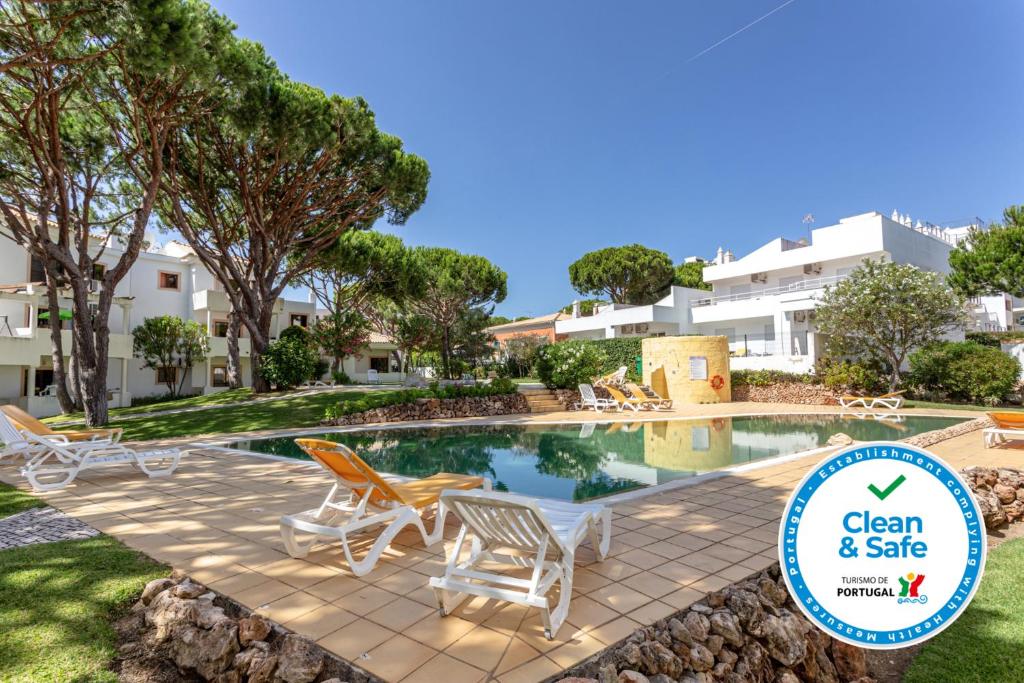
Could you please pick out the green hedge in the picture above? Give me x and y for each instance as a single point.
(497, 387)
(619, 352)
(763, 378)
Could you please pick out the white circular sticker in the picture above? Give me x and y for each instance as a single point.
(882, 545)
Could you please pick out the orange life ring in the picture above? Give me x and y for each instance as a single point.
(717, 382)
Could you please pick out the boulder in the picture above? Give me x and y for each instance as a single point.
(299, 660)
(784, 639)
(1005, 494)
(850, 661)
(166, 613)
(839, 439)
(679, 632)
(697, 625)
(655, 658)
(154, 588)
(991, 509)
(630, 676)
(727, 625)
(253, 627)
(208, 653)
(701, 658)
(186, 590)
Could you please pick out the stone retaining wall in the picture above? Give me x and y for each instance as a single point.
(926, 439)
(438, 408)
(180, 630)
(749, 631)
(786, 392)
(1000, 494)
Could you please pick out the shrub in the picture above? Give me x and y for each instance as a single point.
(618, 352)
(320, 368)
(295, 333)
(764, 378)
(497, 387)
(288, 361)
(847, 376)
(964, 371)
(341, 377)
(567, 364)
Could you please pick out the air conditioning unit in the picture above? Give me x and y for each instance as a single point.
(95, 285)
(812, 269)
(759, 277)
(640, 328)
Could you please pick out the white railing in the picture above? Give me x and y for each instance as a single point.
(747, 345)
(802, 286)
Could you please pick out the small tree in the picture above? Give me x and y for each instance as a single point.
(341, 334)
(884, 310)
(169, 342)
(691, 275)
(992, 260)
(631, 274)
(587, 306)
(291, 360)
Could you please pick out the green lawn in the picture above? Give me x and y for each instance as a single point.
(912, 403)
(13, 501)
(294, 411)
(221, 398)
(57, 601)
(986, 642)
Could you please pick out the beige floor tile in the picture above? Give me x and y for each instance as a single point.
(643, 559)
(355, 639)
(439, 632)
(620, 598)
(710, 583)
(575, 651)
(650, 584)
(396, 658)
(319, 622)
(682, 598)
(399, 614)
(297, 573)
(614, 630)
(332, 589)
(652, 612)
(737, 572)
(292, 606)
(614, 569)
(263, 594)
(586, 614)
(517, 654)
(236, 583)
(531, 672)
(446, 669)
(681, 573)
(365, 600)
(586, 580)
(481, 647)
(402, 582)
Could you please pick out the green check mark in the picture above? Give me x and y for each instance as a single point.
(883, 494)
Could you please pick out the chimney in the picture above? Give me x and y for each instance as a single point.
(895, 216)
(576, 308)
(729, 258)
(719, 257)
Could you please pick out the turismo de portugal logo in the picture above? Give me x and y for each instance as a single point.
(882, 545)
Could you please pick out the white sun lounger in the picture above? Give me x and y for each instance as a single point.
(588, 399)
(362, 499)
(54, 461)
(541, 536)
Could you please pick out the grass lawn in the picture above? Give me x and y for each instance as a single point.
(13, 501)
(986, 642)
(56, 605)
(290, 412)
(912, 403)
(221, 398)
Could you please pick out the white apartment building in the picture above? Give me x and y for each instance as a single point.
(764, 302)
(165, 280)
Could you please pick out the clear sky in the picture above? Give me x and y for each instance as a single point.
(556, 127)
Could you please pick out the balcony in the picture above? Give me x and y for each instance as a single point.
(802, 286)
(27, 349)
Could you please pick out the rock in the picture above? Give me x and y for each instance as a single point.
(208, 614)
(701, 608)
(697, 625)
(991, 509)
(785, 641)
(299, 660)
(167, 612)
(253, 627)
(747, 607)
(785, 676)
(727, 625)
(701, 658)
(716, 599)
(839, 439)
(727, 656)
(679, 632)
(577, 679)
(262, 669)
(714, 644)
(655, 658)
(630, 654)
(775, 593)
(608, 673)
(208, 653)
(630, 676)
(187, 590)
(154, 588)
(229, 676)
(1005, 494)
(850, 661)
(662, 678)
(721, 670)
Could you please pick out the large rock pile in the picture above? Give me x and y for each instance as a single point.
(749, 631)
(438, 408)
(180, 630)
(999, 492)
(786, 392)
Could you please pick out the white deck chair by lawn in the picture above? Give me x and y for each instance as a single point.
(588, 399)
(54, 461)
(541, 536)
(362, 499)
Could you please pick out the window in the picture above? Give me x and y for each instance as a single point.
(219, 376)
(379, 363)
(166, 375)
(36, 271)
(300, 319)
(98, 271)
(168, 280)
(220, 329)
(769, 332)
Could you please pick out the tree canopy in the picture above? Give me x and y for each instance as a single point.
(632, 274)
(456, 283)
(883, 310)
(992, 260)
(167, 342)
(691, 275)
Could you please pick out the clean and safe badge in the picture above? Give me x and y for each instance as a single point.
(882, 545)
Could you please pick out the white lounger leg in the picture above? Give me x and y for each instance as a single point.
(142, 460)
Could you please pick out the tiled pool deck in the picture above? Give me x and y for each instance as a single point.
(216, 519)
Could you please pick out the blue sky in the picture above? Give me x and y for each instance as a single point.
(555, 128)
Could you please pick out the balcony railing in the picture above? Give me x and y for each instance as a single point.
(802, 286)
(744, 345)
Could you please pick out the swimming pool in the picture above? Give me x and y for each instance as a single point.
(581, 461)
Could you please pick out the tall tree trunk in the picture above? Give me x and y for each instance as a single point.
(92, 345)
(260, 340)
(67, 404)
(446, 366)
(234, 365)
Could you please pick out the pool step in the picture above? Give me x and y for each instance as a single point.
(541, 400)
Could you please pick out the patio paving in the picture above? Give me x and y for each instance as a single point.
(216, 519)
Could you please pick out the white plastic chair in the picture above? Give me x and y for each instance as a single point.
(372, 377)
(540, 535)
(588, 399)
(54, 461)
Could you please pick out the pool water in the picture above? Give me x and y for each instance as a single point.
(582, 461)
